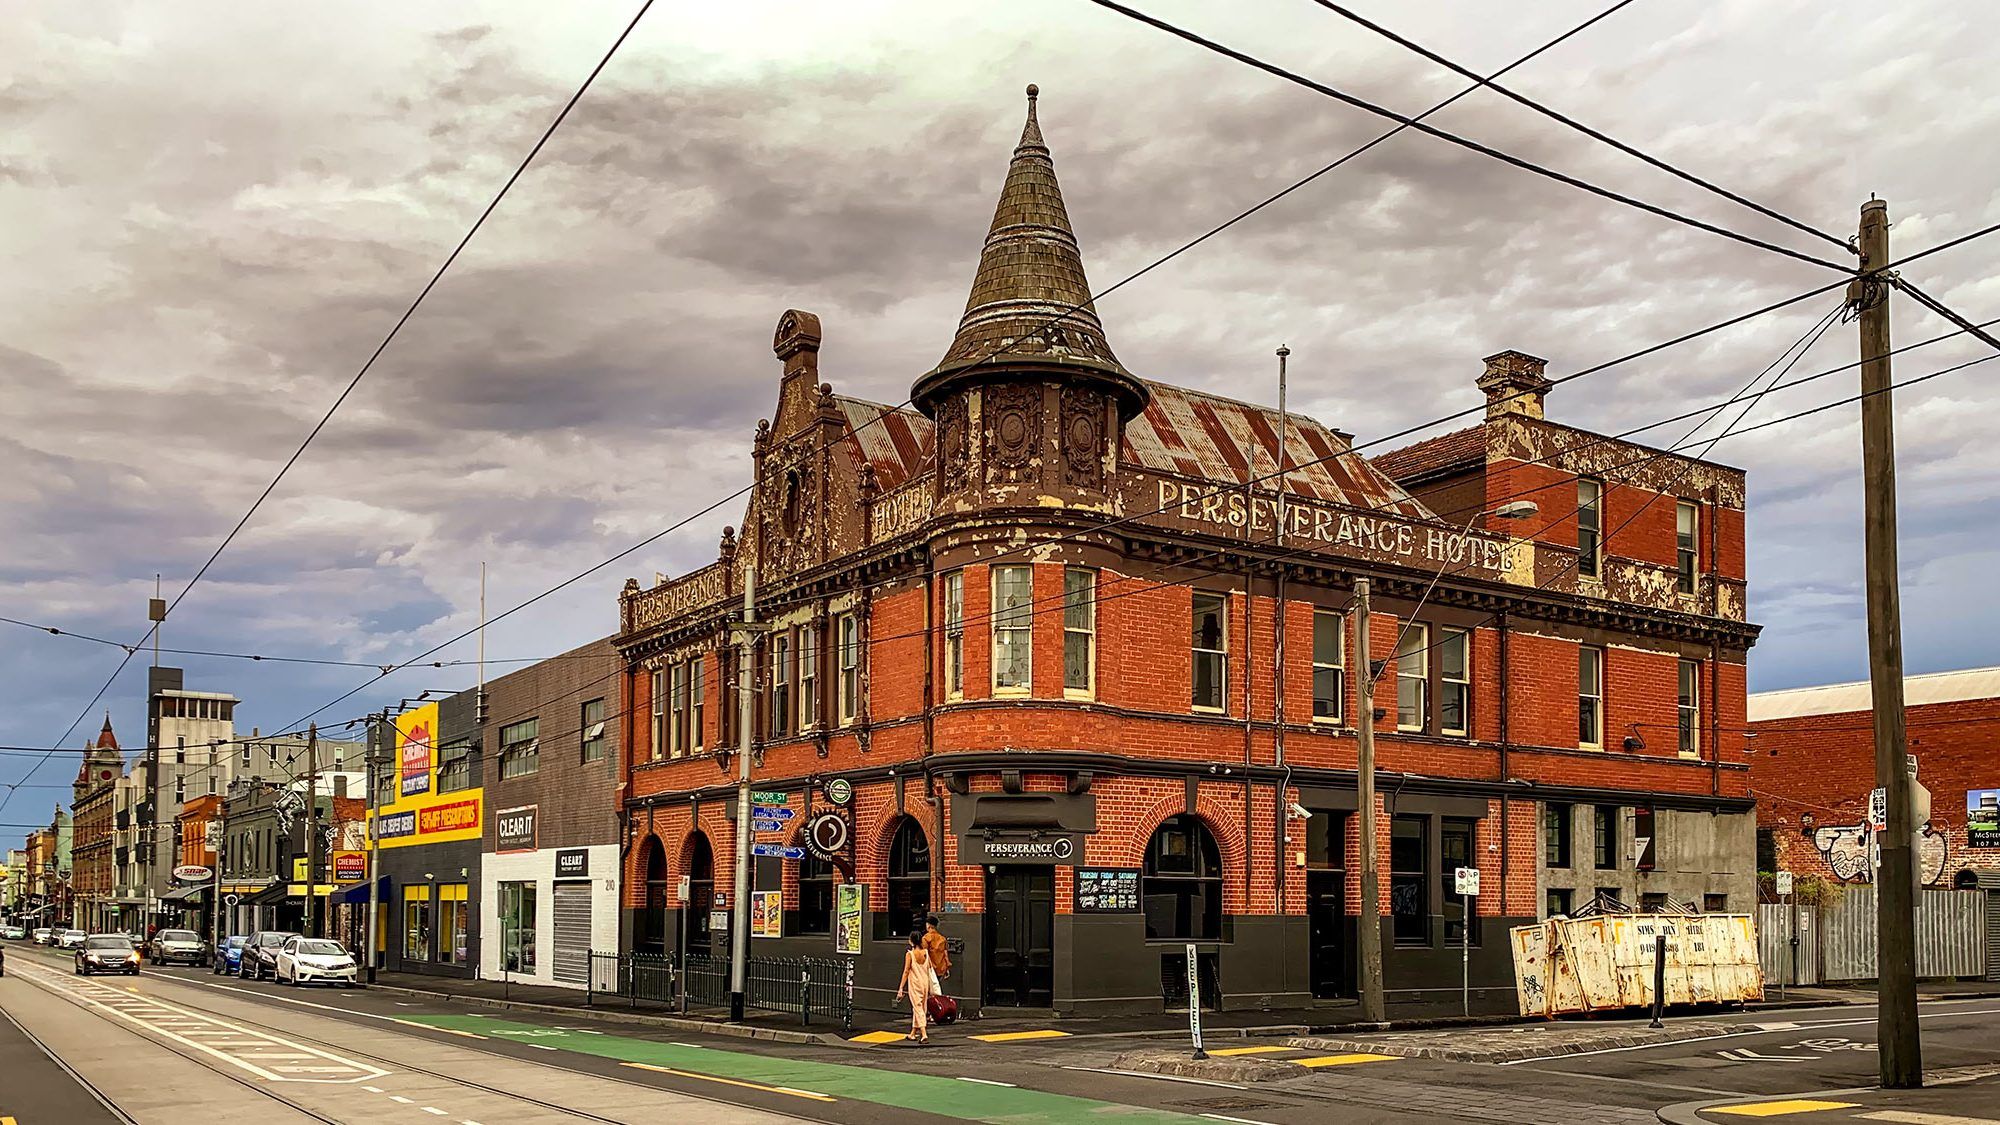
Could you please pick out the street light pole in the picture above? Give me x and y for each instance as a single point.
(739, 929)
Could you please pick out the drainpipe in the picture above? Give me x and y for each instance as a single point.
(1506, 840)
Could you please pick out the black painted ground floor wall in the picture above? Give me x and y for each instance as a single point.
(430, 908)
(1105, 965)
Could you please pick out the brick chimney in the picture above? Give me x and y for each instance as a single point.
(1514, 384)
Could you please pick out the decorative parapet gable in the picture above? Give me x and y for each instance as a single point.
(691, 592)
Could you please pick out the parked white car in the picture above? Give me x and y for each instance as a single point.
(305, 960)
(70, 939)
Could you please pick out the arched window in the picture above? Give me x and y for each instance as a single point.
(653, 920)
(909, 878)
(815, 895)
(701, 890)
(1182, 884)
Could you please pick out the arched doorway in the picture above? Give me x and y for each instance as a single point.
(1180, 888)
(652, 936)
(701, 891)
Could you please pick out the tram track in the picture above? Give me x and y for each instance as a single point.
(392, 1065)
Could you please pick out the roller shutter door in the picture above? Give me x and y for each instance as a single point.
(572, 903)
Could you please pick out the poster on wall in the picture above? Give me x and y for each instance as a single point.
(1107, 890)
(1982, 818)
(848, 901)
(416, 729)
(767, 914)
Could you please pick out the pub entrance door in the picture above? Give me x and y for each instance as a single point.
(1020, 936)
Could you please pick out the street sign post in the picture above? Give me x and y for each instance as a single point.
(1194, 1000)
(767, 797)
(771, 812)
(777, 851)
(1466, 879)
(762, 825)
(1784, 881)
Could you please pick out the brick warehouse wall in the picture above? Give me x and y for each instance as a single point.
(1812, 776)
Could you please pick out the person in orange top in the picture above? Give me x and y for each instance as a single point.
(935, 946)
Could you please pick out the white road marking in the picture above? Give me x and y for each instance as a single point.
(541, 1047)
(401, 1099)
(373, 1089)
(434, 1111)
(54, 983)
(986, 1081)
(1733, 1035)
(1237, 1120)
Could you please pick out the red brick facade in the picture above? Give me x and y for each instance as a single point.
(1813, 768)
(1036, 450)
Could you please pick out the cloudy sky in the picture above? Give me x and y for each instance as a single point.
(210, 214)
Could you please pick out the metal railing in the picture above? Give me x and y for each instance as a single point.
(809, 986)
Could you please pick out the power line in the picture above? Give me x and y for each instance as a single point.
(1061, 316)
(1580, 127)
(1939, 308)
(365, 367)
(1453, 138)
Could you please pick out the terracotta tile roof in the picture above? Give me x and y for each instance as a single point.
(1214, 438)
(1466, 446)
(897, 442)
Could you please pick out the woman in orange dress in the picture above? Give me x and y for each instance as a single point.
(916, 983)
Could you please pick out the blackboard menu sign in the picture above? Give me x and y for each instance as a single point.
(1107, 890)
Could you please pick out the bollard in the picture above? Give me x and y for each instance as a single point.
(1659, 980)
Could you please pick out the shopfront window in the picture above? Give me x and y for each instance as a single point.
(909, 878)
(416, 923)
(1410, 879)
(517, 927)
(454, 924)
(815, 895)
(1182, 882)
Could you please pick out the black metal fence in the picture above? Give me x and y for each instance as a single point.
(808, 986)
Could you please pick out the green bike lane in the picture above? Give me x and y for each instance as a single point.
(815, 1081)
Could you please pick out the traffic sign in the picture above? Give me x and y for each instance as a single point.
(1784, 883)
(1467, 880)
(767, 797)
(771, 812)
(777, 851)
(761, 825)
(1878, 809)
(686, 886)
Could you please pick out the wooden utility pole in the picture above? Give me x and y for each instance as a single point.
(312, 827)
(1373, 1007)
(1901, 1052)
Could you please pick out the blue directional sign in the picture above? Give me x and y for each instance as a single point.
(771, 812)
(777, 851)
(757, 825)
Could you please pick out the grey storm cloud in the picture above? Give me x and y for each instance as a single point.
(211, 217)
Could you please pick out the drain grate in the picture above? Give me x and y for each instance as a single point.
(1227, 1103)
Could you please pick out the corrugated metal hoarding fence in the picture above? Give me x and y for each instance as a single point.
(1951, 935)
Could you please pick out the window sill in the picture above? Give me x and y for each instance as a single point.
(1209, 710)
(1080, 695)
(1595, 747)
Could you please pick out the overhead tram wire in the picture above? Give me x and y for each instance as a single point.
(1063, 315)
(1453, 138)
(1595, 134)
(1053, 604)
(358, 375)
(1294, 465)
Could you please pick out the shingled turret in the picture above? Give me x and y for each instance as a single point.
(1030, 306)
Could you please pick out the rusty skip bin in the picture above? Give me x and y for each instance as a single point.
(1605, 963)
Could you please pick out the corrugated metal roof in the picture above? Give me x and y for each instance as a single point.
(1840, 699)
(1466, 445)
(896, 442)
(1209, 437)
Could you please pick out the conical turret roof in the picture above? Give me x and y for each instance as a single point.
(1030, 305)
(105, 739)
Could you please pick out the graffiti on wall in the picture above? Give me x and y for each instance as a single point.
(1851, 852)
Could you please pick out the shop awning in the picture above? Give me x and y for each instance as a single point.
(183, 894)
(275, 893)
(355, 896)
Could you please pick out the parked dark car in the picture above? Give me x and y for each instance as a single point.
(169, 946)
(229, 954)
(107, 953)
(260, 954)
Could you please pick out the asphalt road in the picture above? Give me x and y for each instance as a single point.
(481, 1064)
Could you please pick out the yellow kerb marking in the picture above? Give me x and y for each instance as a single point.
(729, 1081)
(1017, 1036)
(1254, 1051)
(1780, 1109)
(877, 1037)
(1344, 1060)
